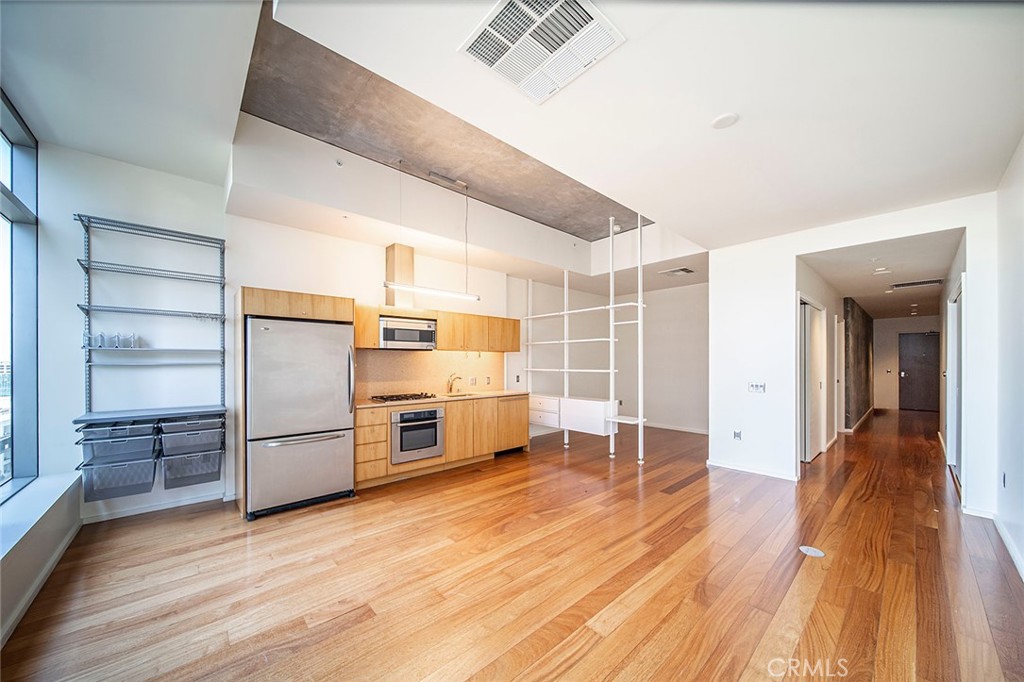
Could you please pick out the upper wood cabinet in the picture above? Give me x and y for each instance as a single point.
(274, 303)
(477, 332)
(455, 331)
(451, 331)
(367, 326)
(502, 335)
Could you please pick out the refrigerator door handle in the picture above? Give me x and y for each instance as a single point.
(301, 441)
(351, 380)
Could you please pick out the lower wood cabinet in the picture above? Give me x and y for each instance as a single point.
(513, 422)
(485, 426)
(458, 430)
(474, 427)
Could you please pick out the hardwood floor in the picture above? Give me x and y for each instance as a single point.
(555, 565)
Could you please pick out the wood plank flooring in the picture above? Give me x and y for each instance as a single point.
(555, 565)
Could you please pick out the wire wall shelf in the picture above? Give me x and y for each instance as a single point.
(122, 268)
(149, 357)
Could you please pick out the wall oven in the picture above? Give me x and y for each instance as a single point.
(402, 333)
(417, 434)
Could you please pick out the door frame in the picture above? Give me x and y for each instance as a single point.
(953, 441)
(802, 425)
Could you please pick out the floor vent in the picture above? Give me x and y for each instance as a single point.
(540, 46)
(919, 283)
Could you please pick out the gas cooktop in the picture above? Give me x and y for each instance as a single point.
(395, 397)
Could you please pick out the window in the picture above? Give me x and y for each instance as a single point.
(19, 431)
(6, 459)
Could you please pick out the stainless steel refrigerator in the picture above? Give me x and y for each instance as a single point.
(300, 388)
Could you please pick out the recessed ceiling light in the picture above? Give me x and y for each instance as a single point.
(725, 120)
(914, 313)
(888, 291)
(339, 162)
(913, 305)
(881, 269)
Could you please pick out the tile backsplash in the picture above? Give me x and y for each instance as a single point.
(408, 371)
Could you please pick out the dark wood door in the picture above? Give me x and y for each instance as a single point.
(919, 372)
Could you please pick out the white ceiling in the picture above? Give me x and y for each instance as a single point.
(847, 109)
(157, 84)
(851, 271)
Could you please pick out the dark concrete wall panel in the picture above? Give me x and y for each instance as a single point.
(860, 383)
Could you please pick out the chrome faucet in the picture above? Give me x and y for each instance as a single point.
(451, 382)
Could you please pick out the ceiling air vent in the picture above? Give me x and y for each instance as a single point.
(540, 46)
(676, 272)
(919, 283)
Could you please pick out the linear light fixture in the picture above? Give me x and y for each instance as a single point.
(431, 292)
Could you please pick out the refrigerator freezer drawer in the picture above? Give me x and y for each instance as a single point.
(284, 471)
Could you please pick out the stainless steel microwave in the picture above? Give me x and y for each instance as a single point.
(406, 333)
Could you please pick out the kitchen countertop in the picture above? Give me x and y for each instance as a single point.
(469, 395)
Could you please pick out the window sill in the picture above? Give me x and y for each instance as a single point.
(22, 511)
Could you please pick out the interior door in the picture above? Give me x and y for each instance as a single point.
(919, 372)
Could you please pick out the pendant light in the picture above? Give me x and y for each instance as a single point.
(465, 295)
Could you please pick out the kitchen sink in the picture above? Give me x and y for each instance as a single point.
(459, 395)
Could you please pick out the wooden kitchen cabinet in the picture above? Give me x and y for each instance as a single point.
(477, 332)
(371, 454)
(291, 304)
(513, 422)
(367, 326)
(485, 426)
(458, 430)
(502, 335)
(451, 331)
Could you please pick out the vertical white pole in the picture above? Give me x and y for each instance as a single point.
(640, 338)
(611, 335)
(565, 346)
(529, 334)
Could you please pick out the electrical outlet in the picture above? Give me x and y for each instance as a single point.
(756, 387)
(517, 378)
(620, 403)
(1004, 479)
(472, 381)
(737, 435)
(487, 380)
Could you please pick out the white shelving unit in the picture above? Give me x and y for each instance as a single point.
(587, 415)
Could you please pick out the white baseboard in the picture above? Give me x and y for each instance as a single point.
(751, 470)
(672, 427)
(30, 595)
(980, 513)
(860, 422)
(1013, 549)
(832, 442)
(120, 513)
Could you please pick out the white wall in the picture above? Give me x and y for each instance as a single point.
(752, 295)
(257, 254)
(675, 359)
(812, 287)
(75, 182)
(1010, 498)
(887, 355)
(287, 178)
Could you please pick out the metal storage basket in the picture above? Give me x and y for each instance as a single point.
(105, 481)
(115, 450)
(187, 443)
(120, 430)
(193, 425)
(183, 470)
